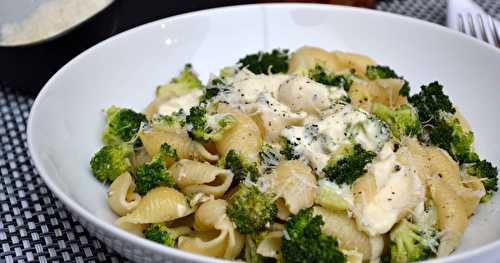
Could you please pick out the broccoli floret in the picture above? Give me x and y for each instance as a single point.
(380, 72)
(430, 101)
(488, 174)
(122, 125)
(411, 242)
(111, 161)
(288, 149)
(203, 127)
(405, 89)
(269, 156)
(319, 74)
(240, 166)
(251, 210)
(447, 133)
(175, 120)
(272, 62)
(155, 173)
(348, 163)
(402, 121)
(184, 83)
(304, 242)
(160, 233)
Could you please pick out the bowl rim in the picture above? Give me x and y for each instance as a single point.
(74, 207)
(66, 31)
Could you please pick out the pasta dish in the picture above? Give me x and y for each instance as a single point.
(308, 156)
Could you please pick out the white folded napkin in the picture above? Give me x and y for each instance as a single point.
(466, 6)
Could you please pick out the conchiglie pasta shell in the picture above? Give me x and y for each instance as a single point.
(384, 91)
(296, 184)
(306, 58)
(177, 138)
(195, 177)
(244, 137)
(121, 197)
(159, 205)
(344, 228)
(216, 235)
(347, 61)
(209, 214)
(443, 166)
(452, 216)
(270, 246)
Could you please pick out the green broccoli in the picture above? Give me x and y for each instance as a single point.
(155, 172)
(272, 62)
(441, 127)
(384, 72)
(184, 83)
(111, 161)
(203, 127)
(447, 133)
(288, 149)
(303, 241)
(348, 163)
(213, 89)
(176, 120)
(488, 174)
(319, 74)
(163, 234)
(411, 242)
(405, 89)
(122, 125)
(380, 72)
(251, 210)
(240, 166)
(269, 156)
(402, 121)
(430, 101)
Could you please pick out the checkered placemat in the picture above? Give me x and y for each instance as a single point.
(35, 226)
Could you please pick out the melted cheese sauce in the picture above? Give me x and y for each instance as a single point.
(184, 102)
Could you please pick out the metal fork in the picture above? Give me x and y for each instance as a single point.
(495, 35)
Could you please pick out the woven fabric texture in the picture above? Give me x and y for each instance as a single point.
(35, 226)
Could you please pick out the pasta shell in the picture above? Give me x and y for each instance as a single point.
(159, 205)
(270, 246)
(121, 197)
(346, 61)
(177, 138)
(344, 228)
(195, 177)
(244, 137)
(296, 184)
(452, 217)
(216, 235)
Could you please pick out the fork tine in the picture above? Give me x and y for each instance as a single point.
(472, 29)
(484, 36)
(461, 23)
(494, 32)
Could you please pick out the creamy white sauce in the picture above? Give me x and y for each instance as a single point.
(317, 141)
(399, 190)
(245, 86)
(185, 102)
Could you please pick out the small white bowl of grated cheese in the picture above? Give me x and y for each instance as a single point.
(40, 36)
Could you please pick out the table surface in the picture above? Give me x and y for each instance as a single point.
(34, 225)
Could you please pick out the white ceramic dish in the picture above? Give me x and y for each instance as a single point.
(66, 119)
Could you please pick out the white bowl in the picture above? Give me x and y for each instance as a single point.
(66, 119)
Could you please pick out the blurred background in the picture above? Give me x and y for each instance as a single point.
(139, 12)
